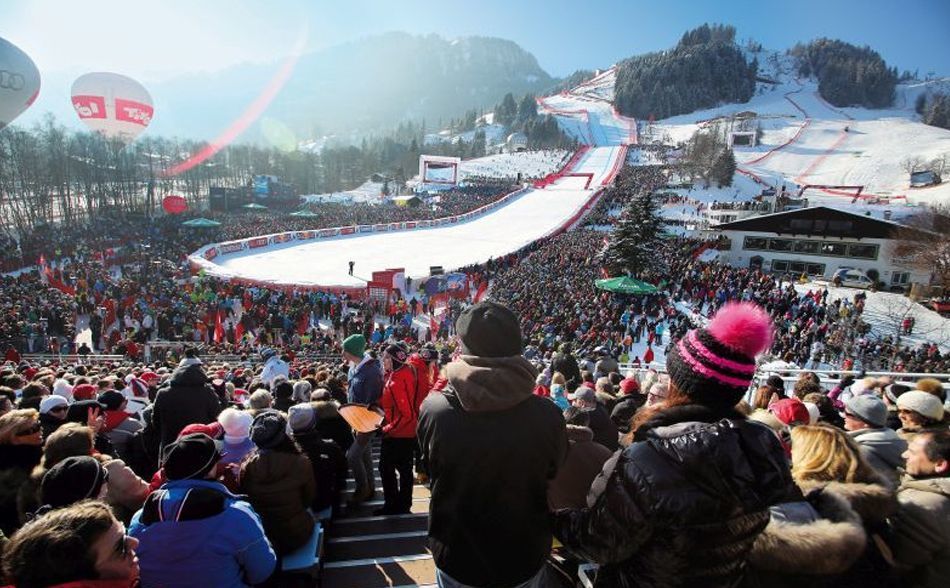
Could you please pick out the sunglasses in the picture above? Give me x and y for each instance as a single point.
(31, 431)
(121, 549)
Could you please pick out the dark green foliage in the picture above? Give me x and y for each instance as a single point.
(847, 75)
(724, 168)
(634, 243)
(703, 70)
(543, 131)
(937, 111)
(920, 104)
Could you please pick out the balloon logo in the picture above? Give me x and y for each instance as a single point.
(19, 82)
(174, 204)
(113, 105)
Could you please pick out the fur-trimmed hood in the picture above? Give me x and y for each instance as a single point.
(873, 502)
(487, 384)
(819, 546)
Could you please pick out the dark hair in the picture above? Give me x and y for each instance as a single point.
(57, 547)
(938, 446)
(577, 417)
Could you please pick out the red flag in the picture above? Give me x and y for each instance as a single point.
(480, 293)
(238, 331)
(433, 326)
(218, 329)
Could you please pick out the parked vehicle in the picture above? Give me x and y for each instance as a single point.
(851, 278)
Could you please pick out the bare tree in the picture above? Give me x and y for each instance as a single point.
(912, 164)
(924, 244)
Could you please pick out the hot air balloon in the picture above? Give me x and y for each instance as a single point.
(112, 104)
(19, 82)
(174, 204)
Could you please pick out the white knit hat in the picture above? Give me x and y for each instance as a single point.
(923, 403)
(62, 388)
(50, 402)
(813, 413)
(236, 423)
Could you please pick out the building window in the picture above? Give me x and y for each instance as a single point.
(781, 244)
(839, 249)
(812, 247)
(862, 251)
(798, 267)
(900, 278)
(755, 243)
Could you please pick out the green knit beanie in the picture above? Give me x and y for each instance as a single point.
(355, 345)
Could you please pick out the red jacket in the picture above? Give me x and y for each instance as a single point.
(398, 403)
(423, 381)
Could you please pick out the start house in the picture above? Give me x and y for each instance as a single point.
(818, 241)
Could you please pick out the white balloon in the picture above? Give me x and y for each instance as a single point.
(114, 105)
(19, 82)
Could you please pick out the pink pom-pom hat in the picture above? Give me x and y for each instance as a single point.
(715, 365)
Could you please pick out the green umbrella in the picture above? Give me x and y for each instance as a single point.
(254, 206)
(304, 214)
(626, 285)
(201, 223)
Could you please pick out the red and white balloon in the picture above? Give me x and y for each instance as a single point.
(114, 105)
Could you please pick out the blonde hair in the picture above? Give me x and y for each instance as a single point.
(14, 422)
(558, 378)
(826, 454)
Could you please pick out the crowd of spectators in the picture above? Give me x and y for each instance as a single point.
(181, 472)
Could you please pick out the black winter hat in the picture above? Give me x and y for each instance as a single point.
(269, 429)
(78, 412)
(190, 457)
(398, 354)
(71, 480)
(489, 329)
(111, 400)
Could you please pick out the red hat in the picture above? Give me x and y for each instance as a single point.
(85, 392)
(29, 372)
(790, 411)
(213, 430)
(629, 385)
(150, 377)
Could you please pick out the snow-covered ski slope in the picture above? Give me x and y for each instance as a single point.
(805, 141)
(299, 259)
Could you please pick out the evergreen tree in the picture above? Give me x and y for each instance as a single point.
(527, 109)
(507, 111)
(637, 237)
(937, 112)
(724, 168)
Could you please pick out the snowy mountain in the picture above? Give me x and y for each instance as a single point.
(362, 86)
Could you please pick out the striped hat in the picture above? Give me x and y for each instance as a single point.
(714, 366)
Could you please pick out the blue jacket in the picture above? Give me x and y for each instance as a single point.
(218, 539)
(366, 381)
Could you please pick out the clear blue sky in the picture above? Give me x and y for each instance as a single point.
(159, 38)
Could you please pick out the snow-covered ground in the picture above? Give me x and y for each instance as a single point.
(530, 164)
(324, 262)
(884, 311)
(371, 192)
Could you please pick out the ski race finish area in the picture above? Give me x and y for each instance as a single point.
(320, 258)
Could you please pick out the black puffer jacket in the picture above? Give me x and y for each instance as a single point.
(188, 399)
(683, 504)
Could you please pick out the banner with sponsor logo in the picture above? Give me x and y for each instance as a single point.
(381, 228)
(410, 225)
(230, 247)
(331, 232)
(282, 238)
(344, 231)
(258, 242)
(366, 228)
(305, 235)
(211, 253)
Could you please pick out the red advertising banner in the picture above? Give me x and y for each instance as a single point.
(282, 238)
(304, 235)
(133, 112)
(90, 106)
(345, 231)
(410, 225)
(211, 253)
(258, 242)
